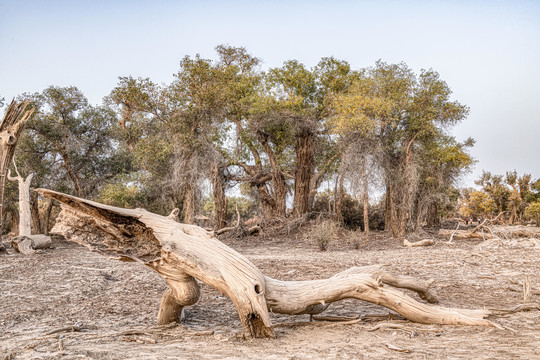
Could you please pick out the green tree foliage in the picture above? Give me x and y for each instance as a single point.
(533, 212)
(69, 144)
(495, 186)
(279, 134)
(509, 194)
(407, 116)
(477, 204)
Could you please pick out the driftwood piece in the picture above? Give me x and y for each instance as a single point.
(464, 234)
(425, 242)
(181, 253)
(28, 244)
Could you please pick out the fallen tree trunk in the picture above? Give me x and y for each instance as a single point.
(181, 253)
(425, 242)
(28, 244)
(465, 234)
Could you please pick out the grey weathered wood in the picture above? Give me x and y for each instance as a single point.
(15, 117)
(181, 253)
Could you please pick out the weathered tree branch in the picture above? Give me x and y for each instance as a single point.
(181, 253)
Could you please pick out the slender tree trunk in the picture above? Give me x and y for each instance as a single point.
(34, 208)
(279, 187)
(189, 203)
(433, 219)
(14, 222)
(503, 217)
(280, 193)
(267, 202)
(365, 194)
(47, 217)
(25, 217)
(303, 174)
(72, 175)
(403, 215)
(388, 208)
(219, 182)
(340, 190)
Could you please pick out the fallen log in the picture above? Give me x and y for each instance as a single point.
(28, 244)
(181, 253)
(464, 234)
(425, 242)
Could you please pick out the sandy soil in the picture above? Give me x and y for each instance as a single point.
(117, 305)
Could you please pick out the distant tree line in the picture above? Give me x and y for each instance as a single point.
(292, 139)
(512, 197)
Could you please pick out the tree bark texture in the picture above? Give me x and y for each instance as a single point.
(189, 202)
(365, 194)
(25, 215)
(15, 117)
(303, 174)
(181, 253)
(279, 186)
(47, 217)
(219, 183)
(432, 216)
(34, 211)
(340, 191)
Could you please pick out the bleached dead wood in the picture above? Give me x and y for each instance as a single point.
(28, 244)
(181, 253)
(15, 117)
(25, 217)
(464, 234)
(425, 242)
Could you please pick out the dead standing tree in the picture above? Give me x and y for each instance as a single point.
(182, 253)
(25, 220)
(11, 126)
(25, 242)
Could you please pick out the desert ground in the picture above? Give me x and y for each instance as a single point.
(113, 305)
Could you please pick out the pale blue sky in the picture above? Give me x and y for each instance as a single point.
(487, 51)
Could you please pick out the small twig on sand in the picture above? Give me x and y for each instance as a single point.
(318, 323)
(454, 232)
(60, 344)
(139, 340)
(387, 316)
(396, 348)
(527, 289)
(425, 242)
(72, 328)
(335, 318)
(515, 309)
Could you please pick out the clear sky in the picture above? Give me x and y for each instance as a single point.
(487, 51)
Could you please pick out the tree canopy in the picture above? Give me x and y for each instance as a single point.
(278, 134)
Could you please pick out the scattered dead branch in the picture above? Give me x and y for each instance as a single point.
(527, 289)
(425, 242)
(396, 348)
(73, 328)
(515, 309)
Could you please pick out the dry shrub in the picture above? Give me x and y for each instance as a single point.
(358, 239)
(323, 233)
